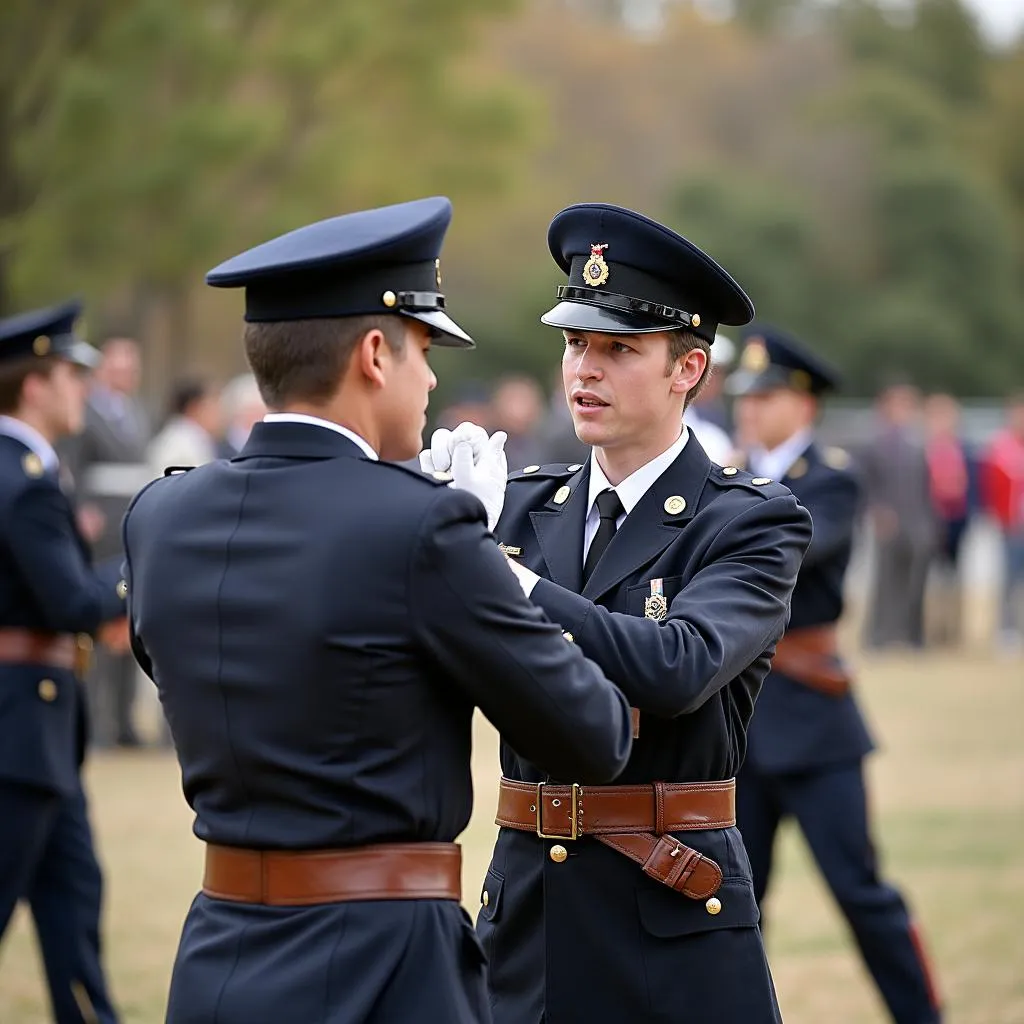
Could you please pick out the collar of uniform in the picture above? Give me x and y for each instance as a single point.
(775, 464)
(295, 439)
(639, 482)
(316, 421)
(31, 439)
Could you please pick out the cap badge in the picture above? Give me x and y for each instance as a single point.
(755, 357)
(595, 270)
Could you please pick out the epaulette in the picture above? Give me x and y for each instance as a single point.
(836, 458)
(732, 476)
(437, 478)
(553, 471)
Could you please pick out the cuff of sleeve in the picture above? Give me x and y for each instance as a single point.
(569, 610)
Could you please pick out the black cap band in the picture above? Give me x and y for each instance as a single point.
(624, 303)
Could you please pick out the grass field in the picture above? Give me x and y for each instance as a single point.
(947, 789)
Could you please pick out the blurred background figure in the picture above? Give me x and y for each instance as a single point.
(949, 477)
(559, 442)
(707, 416)
(241, 407)
(517, 407)
(899, 508)
(1004, 501)
(107, 461)
(190, 435)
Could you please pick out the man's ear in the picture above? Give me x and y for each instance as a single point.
(688, 370)
(373, 357)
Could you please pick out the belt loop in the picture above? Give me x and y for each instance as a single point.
(659, 807)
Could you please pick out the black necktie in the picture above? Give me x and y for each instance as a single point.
(609, 508)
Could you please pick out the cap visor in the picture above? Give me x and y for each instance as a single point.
(581, 316)
(81, 354)
(449, 333)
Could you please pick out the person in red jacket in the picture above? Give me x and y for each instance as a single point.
(1003, 490)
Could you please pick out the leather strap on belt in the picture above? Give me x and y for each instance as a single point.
(810, 655)
(284, 878)
(48, 650)
(634, 820)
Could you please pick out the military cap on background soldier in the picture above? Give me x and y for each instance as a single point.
(51, 600)
(808, 739)
(320, 624)
(674, 575)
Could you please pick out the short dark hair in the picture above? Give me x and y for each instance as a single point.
(13, 376)
(304, 360)
(187, 392)
(681, 342)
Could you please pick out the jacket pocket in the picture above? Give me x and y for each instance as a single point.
(636, 596)
(666, 914)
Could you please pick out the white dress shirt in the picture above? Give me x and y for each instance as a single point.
(775, 464)
(316, 421)
(32, 439)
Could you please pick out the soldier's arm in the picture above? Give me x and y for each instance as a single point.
(834, 502)
(469, 613)
(730, 613)
(74, 597)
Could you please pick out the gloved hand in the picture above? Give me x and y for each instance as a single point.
(477, 464)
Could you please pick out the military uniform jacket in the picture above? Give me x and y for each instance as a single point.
(797, 728)
(593, 938)
(47, 585)
(320, 626)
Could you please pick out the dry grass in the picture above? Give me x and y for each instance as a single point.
(948, 791)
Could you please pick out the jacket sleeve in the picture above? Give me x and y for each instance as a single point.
(74, 597)
(733, 610)
(833, 502)
(549, 702)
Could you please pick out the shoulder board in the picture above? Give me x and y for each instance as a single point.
(178, 470)
(836, 458)
(438, 479)
(732, 476)
(553, 471)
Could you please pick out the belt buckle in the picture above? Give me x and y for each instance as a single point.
(574, 813)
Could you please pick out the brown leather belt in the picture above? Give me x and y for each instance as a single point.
(810, 655)
(634, 820)
(285, 878)
(50, 650)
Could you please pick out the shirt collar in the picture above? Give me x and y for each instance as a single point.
(776, 463)
(639, 482)
(316, 421)
(31, 439)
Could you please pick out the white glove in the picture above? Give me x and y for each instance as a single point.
(438, 457)
(484, 475)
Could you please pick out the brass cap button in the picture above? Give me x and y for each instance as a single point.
(695, 319)
(389, 298)
(486, 898)
(558, 853)
(41, 345)
(713, 906)
(47, 690)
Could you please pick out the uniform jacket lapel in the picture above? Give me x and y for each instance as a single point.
(651, 527)
(559, 529)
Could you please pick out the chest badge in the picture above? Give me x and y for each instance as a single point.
(508, 549)
(655, 606)
(595, 270)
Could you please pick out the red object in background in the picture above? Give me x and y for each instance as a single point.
(1003, 480)
(947, 471)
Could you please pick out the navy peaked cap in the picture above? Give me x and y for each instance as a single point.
(373, 262)
(630, 275)
(773, 359)
(46, 332)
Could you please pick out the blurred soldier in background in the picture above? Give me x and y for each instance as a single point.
(517, 408)
(190, 435)
(807, 739)
(705, 415)
(48, 594)
(899, 506)
(633, 902)
(320, 624)
(107, 461)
